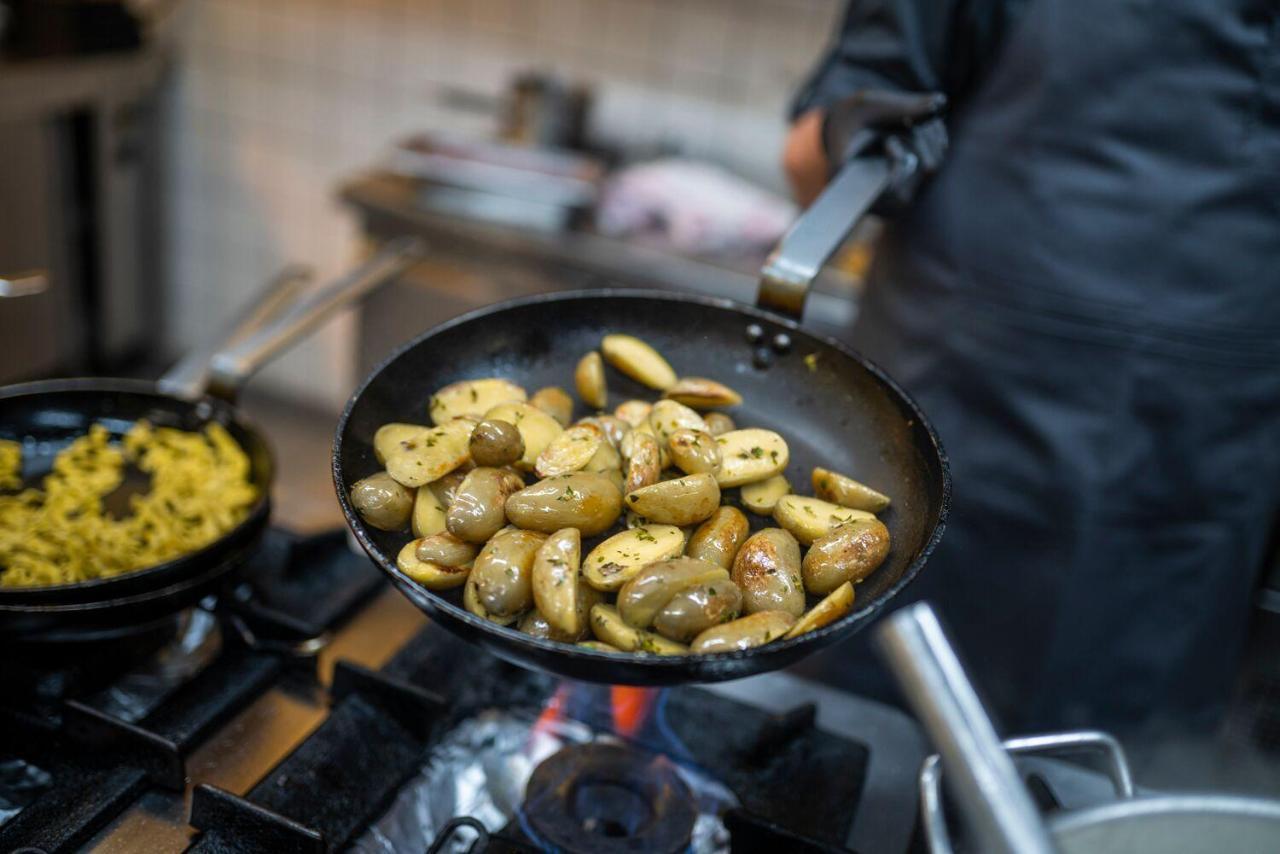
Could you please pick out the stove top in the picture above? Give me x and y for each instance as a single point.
(316, 710)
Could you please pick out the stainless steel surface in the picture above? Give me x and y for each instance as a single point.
(1175, 824)
(229, 368)
(25, 284)
(814, 237)
(189, 377)
(996, 806)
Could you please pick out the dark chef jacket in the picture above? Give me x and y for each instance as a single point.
(1086, 301)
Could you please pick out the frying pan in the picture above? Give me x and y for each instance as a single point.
(46, 416)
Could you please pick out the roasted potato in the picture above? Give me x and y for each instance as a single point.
(600, 646)
(838, 603)
(612, 563)
(638, 360)
(433, 454)
(570, 451)
(471, 601)
(503, 573)
(614, 429)
(534, 624)
(718, 539)
(428, 513)
(382, 501)
(433, 576)
(767, 570)
(588, 501)
(702, 393)
(554, 401)
(847, 492)
(536, 427)
(811, 518)
(387, 439)
(558, 591)
(495, 443)
(667, 417)
(446, 487)
(755, 630)
(850, 552)
(650, 589)
(472, 398)
(633, 412)
(446, 550)
(609, 627)
(718, 423)
(695, 609)
(762, 496)
(644, 463)
(478, 510)
(683, 501)
(694, 451)
(750, 455)
(588, 378)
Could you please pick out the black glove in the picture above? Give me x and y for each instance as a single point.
(904, 126)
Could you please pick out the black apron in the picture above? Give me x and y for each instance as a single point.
(1086, 301)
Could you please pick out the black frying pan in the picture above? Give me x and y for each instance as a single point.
(835, 409)
(45, 416)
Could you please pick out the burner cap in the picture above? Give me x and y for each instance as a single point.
(609, 798)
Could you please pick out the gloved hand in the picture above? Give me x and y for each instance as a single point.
(905, 126)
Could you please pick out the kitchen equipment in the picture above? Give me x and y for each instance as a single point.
(47, 415)
(836, 409)
(998, 808)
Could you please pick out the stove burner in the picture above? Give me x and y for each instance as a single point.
(606, 798)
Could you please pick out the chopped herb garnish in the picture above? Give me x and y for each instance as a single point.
(643, 534)
(474, 396)
(744, 456)
(568, 495)
(809, 510)
(633, 498)
(711, 590)
(773, 455)
(811, 362)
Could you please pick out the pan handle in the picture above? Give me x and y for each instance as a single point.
(230, 367)
(189, 377)
(990, 794)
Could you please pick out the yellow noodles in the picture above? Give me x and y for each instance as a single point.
(200, 490)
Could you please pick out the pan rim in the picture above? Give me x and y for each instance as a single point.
(259, 512)
(656, 663)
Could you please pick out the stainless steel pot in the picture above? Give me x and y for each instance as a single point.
(997, 807)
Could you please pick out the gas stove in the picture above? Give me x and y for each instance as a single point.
(314, 709)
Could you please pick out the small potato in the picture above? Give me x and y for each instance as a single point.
(702, 393)
(851, 552)
(382, 502)
(762, 496)
(554, 401)
(718, 539)
(446, 550)
(683, 501)
(614, 429)
(588, 501)
(588, 377)
(433, 576)
(612, 563)
(838, 603)
(599, 646)
(635, 520)
(570, 451)
(644, 464)
(646, 429)
(718, 423)
(750, 455)
(638, 360)
(478, 510)
(694, 451)
(755, 630)
(433, 454)
(446, 487)
(495, 443)
(633, 412)
(646, 592)
(473, 398)
(556, 580)
(847, 492)
(503, 573)
(667, 417)
(606, 458)
(536, 427)
(536, 625)
(471, 601)
(389, 436)
(811, 518)
(694, 610)
(767, 570)
(428, 513)
(609, 627)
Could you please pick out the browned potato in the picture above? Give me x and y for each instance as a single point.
(718, 539)
(570, 451)
(767, 570)
(667, 417)
(838, 603)
(695, 609)
(554, 401)
(496, 443)
(503, 573)
(638, 360)
(810, 518)
(609, 627)
(472, 398)
(588, 501)
(382, 502)
(750, 455)
(471, 601)
(847, 492)
(683, 501)
(478, 510)
(428, 513)
(702, 393)
(536, 427)
(612, 563)
(433, 576)
(590, 382)
(718, 423)
(446, 487)
(533, 623)
(445, 549)
(614, 429)
(694, 451)
(851, 552)
(557, 582)
(435, 453)
(755, 630)
(644, 464)
(606, 459)
(633, 412)
(645, 594)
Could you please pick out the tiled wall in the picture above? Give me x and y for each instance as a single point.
(275, 101)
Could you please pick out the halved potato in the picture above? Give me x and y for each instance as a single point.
(608, 626)
(472, 397)
(589, 379)
(762, 496)
(570, 451)
(554, 401)
(471, 601)
(838, 603)
(556, 577)
(638, 360)
(810, 518)
(702, 393)
(612, 563)
(588, 501)
(745, 632)
(694, 451)
(433, 454)
(644, 464)
(389, 436)
(847, 492)
(681, 501)
(433, 576)
(536, 427)
(750, 455)
(850, 553)
(718, 423)
(668, 416)
(650, 589)
(428, 513)
(633, 412)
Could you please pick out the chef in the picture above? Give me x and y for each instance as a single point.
(1085, 298)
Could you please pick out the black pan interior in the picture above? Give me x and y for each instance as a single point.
(47, 416)
(833, 408)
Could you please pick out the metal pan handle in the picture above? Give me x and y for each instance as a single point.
(229, 368)
(989, 792)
